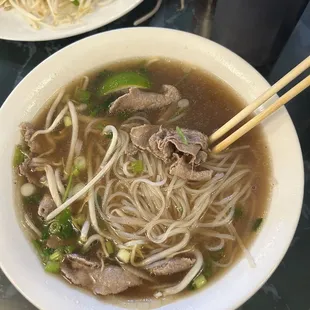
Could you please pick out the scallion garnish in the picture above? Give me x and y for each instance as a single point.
(102, 107)
(82, 95)
(43, 251)
(79, 165)
(54, 228)
(67, 121)
(52, 267)
(57, 256)
(137, 166)
(199, 282)
(124, 256)
(68, 249)
(110, 247)
(19, 156)
(207, 269)
(181, 135)
(238, 213)
(32, 199)
(69, 185)
(257, 224)
(217, 255)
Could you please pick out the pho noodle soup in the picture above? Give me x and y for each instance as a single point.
(120, 192)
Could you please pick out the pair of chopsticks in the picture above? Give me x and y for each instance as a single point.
(298, 88)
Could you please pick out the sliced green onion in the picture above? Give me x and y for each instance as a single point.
(179, 208)
(110, 247)
(217, 255)
(64, 219)
(199, 282)
(207, 269)
(45, 233)
(181, 135)
(57, 256)
(69, 185)
(33, 199)
(64, 216)
(47, 251)
(43, 251)
(81, 94)
(238, 213)
(137, 166)
(38, 247)
(67, 121)
(257, 224)
(124, 255)
(18, 157)
(76, 2)
(68, 249)
(54, 228)
(98, 108)
(52, 267)
(67, 231)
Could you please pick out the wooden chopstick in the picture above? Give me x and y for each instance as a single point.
(304, 65)
(258, 118)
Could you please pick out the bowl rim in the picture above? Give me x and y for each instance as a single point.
(255, 74)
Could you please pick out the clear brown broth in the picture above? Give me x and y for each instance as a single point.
(212, 103)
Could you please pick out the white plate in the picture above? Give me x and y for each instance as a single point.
(15, 27)
(17, 258)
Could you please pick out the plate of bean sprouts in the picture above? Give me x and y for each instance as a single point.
(42, 20)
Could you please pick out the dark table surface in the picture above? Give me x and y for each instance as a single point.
(289, 286)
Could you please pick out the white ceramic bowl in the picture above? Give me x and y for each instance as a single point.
(18, 259)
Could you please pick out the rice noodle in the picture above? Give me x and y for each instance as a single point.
(150, 213)
(243, 248)
(78, 147)
(32, 226)
(59, 184)
(74, 138)
(187, 279)
(53, 108)
(94, 180)
(165, 253)
(85, 82)
(53, 125)
(146, 211)
(90, 125)
(95, 238)
(52, 185)
(138, 272)
(91, 195)
(85, 230)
